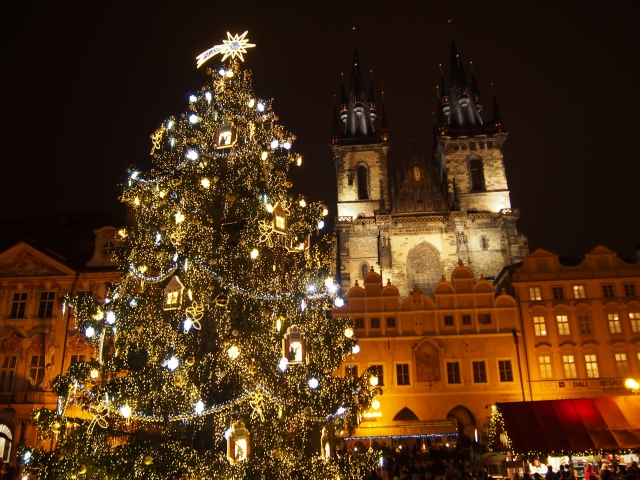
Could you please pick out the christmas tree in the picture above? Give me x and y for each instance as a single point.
(216, 352)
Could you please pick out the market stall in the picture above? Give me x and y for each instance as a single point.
(566, 431)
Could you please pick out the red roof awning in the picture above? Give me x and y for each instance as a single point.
(573, 425)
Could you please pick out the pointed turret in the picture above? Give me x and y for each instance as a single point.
(344, 101)
(444, 95)
(335, 128)
(384, 128)
(463, 112)
(475, 91)
(372, 100)
(497, 118)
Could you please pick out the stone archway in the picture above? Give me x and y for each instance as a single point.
(466, 420)
(424, 267)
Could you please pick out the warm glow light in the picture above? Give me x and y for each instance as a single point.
(313, 383)
(193, 98)
(260, 107)
(265, 155)
(199, 408)
(299, 161)
(375, 404)
(125, 411)
(269, 207)
(173, 363)
(631, 384)
(94, 373)
(339, 302)
(89, 331)
(274, 144)
(286, 145)
(283, 364)
(254, 253)
(208, 96)
(192, 155)
(179, 217)
(320, 225)
(187, 325)
(233, 352)
(111, 317)
(356, 349)
(373, 381)
(251, 103)
(303, 203)
(348, 332)
(205, 182)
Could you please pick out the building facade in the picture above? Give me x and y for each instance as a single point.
(440, 361)
(580, 322)
(452, 206)
(42, 259)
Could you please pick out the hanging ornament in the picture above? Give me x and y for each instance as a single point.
(98, 416)
(279, 220)
(222, 300)
(266, 230)
(298, 244)
(294, 346)
(237, 443)
(194, 314)
(156, 139)
(256, 402)
(226, 137)
(173, 294)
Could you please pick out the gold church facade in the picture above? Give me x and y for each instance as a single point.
(438, 209)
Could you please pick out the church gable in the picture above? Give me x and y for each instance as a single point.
(419, 190)
(22, 260)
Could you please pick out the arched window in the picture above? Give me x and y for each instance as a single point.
(6, 439)
(477, 175)
(364, 270)
(363, 188)
(424, 268)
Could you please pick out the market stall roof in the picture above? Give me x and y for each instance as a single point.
(573, 425)
(448, 427)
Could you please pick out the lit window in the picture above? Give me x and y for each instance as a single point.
(545, 368)
(46, 304)
(107, 248)
(359, 323)
(36, 371)
(614, 323)
(558, 293)
(280, 223)
(578, 291)
(391, 322)
(172, 298)
(479, 372)
(466, 319)
(563, 324)
(569, 364)
(351, 371)
(621, 364)
(77, 359)
(539, 326)
(402, 374)
(375, 322)
(506, 373)
(448, 320)
(592, 366)
(629, 290)
(19, 305)
(635, 321)
(607, 291)
(379, 372)
(7, 372)
(584, 321)
(534, 294)
(453, 372)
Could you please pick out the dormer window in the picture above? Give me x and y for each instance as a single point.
(107, 248)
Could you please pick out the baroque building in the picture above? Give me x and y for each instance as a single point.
(42, 258)
(449, 207)
(580, 322)
(440, 360)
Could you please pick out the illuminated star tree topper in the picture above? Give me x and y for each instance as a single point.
(234, 46)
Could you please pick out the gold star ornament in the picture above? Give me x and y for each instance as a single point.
(234, 46)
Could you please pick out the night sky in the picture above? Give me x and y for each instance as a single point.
(86, 83)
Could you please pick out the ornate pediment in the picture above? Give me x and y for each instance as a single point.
(26, 264)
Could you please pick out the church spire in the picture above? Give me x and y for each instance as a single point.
(463, 112)
(497, 118)
(475, 91)
(358, 109)
(335, 128)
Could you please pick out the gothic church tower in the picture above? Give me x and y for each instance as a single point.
(449, 208)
